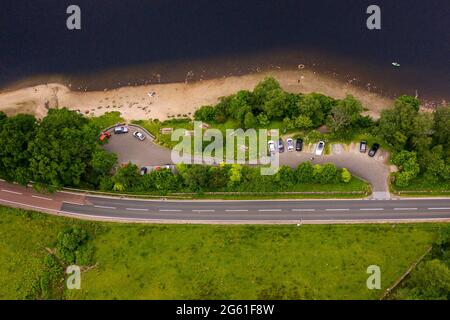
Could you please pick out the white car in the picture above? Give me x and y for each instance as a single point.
(120, 129)
(139, 135)
(290, 144)
(319, 148)
(271, 144)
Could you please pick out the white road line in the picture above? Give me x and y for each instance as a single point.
(136, 209)
(269, 210)
(405, 209)
(169, 210)
(303, 209)
(337, 209)
(77, 204)
(13, 192)
(42, 198)
(371, 209)
(439, 208)
(236, 210)
(105, 207)
(200, 210)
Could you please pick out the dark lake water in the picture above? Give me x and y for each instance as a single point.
(137, 41)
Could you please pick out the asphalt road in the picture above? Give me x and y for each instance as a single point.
(260, 211)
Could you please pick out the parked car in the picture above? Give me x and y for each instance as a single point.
(143, 171)
(320, 147)
(280, 145)
(374, 149)
(290, 144)
(139, 135)
(105, 136)
(120, 129)
(271, 144)
(363, 146)
(298, 145)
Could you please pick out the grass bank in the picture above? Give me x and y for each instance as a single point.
(214, 262)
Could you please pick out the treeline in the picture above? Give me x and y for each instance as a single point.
(431, 279)
(61, 150)
(420, 141)
(233, 178)
(268, 102)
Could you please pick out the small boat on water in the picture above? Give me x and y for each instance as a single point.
(396, 64)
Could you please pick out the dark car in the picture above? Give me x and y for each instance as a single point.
(143, 170)
(363, 146)
(374, 149)
(280, 145)
(298, 145)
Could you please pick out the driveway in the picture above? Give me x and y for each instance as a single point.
(142, 153)
(374, 170)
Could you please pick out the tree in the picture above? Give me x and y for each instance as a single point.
(101, 165)
(69, 242)
(205, 113)
(406, 161)
(328, 173)
(62, 148)
(196, 177)
(303, 122)
(263, 120)
(249, 120)
(285, 177)
(403, 127)
(430, 281)
(16, 133)
(345, 114)
(275, 104)
(442, 126)
(126, 177)
(262, 89)
(304, 172)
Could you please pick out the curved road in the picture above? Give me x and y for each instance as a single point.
(245, 212)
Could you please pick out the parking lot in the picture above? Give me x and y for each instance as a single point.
(375, 170)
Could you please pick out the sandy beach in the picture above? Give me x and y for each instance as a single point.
(176, 99)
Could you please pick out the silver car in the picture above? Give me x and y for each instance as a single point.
(139, 135)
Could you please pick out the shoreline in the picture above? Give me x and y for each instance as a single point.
(176, 99)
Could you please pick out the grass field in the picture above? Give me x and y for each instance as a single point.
(223, 262)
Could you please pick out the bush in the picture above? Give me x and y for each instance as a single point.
(69, 242)
(304, 172)
(346, 176)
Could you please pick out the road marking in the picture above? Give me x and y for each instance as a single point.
(13, 192)
(105, 207)
(337, 209)
(439, 208)
(269, 210)
(303, 209)
(200, 210)
(169, 210)
(371, 209)
(236, 210)
(42, 198)
(77, 204)
(405, 209)
(136, 209)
